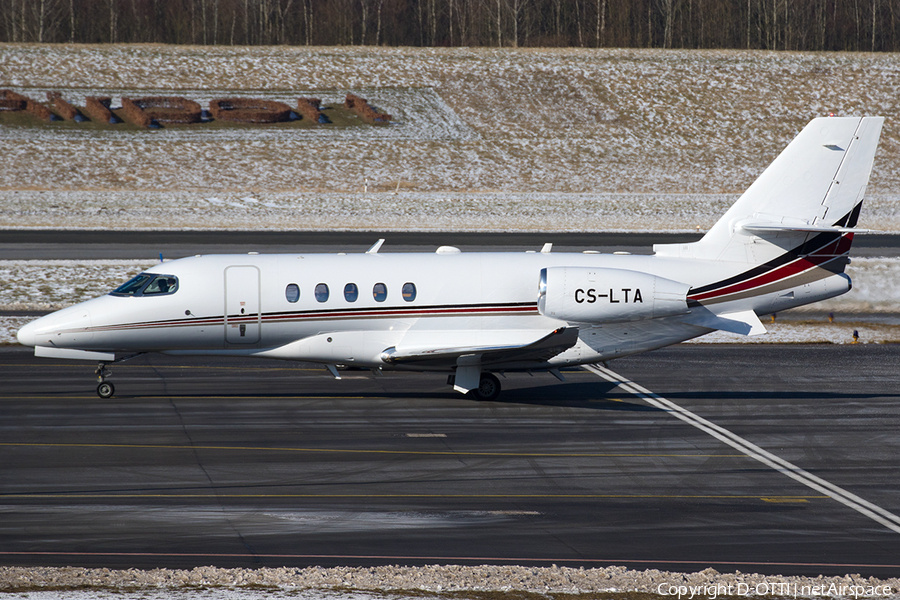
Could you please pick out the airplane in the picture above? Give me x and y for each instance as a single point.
(784, 243)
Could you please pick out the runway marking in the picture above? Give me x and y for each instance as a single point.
(364, 451)
(448, 559)
(864, 507)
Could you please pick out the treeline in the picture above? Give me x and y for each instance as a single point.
(859, 25)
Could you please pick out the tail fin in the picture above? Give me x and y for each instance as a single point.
(806, 201)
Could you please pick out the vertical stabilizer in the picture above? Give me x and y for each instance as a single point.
(814, 187)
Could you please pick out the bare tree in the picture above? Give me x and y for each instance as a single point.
(309, 21)
(113, 30)
(378, 21)
(874, 24)
(668, 8)
(601, 21)
(40, 18)
(516, 7)
(71, 21)
(578, 11)
(767, 24)
(499, 27)
(246, 22)
(433, 11)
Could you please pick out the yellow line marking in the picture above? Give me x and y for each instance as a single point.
(57, 365)
(573, 496)
(165, 398)
(364, 451)
(785, 500)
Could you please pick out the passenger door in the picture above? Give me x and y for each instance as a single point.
(242, 316)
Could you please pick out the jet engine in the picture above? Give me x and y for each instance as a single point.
(602, 295)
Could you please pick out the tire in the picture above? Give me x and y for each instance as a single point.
(106, 390)
(488, 388)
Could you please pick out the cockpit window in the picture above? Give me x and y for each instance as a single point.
(147, 284)
(162, 284)
(132, 286)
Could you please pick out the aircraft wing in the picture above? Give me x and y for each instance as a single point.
(494, 347)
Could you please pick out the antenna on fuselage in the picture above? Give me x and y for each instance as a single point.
(375, 247)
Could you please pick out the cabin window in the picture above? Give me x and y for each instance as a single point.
(148, 284)
(292, 292)
(351, 292)
(409, 291)
(379, 292)
(322, 292)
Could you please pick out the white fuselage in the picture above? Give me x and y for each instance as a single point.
(247, 304)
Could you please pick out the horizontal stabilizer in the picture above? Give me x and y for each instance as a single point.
(779, 227)
(504, 346)
(743, 322)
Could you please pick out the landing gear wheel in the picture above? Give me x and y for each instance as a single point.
(488, 388)
(106, 390)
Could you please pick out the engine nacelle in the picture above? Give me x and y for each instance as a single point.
(589, 295)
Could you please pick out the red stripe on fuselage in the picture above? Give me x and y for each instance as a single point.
(401, 312)
(344, 314)
(827, 253)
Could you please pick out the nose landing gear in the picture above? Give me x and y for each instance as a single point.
(105, 389)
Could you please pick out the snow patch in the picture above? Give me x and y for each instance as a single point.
(518, 131)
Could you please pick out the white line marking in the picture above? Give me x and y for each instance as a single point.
(876, 513)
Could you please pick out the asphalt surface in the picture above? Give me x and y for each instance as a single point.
(92, 245)
(248, 462)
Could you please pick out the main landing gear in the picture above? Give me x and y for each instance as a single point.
(488, 388)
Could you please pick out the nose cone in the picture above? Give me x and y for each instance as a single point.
(26, 334)
(66, 328)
